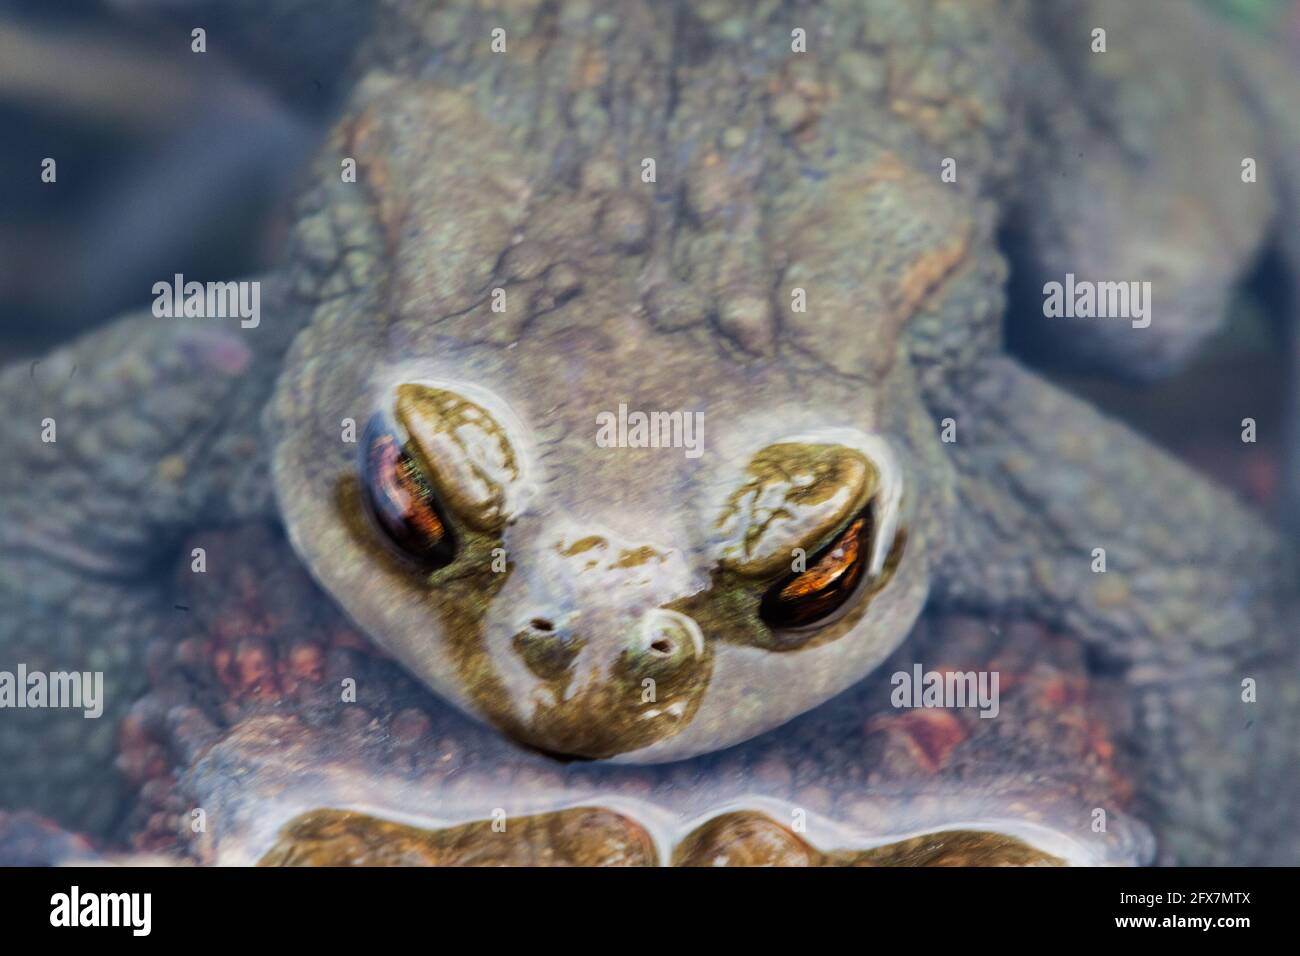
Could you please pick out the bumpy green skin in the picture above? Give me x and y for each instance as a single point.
(826, 180)
(667, 296)
(774, 170)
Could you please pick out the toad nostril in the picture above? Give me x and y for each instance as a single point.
(547, 650)
(666, 643)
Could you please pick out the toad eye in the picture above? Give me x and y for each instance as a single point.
(400, 500)
(807, 598)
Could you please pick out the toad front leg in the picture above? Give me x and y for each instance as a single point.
(1173, 585)
(114, 445)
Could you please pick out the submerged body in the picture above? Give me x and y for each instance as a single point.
(247, 719)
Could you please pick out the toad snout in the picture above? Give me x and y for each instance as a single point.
(612, 666)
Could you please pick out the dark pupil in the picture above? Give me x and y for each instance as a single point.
(804, 598)
(402, 503)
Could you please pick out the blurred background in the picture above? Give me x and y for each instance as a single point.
(167, 161)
